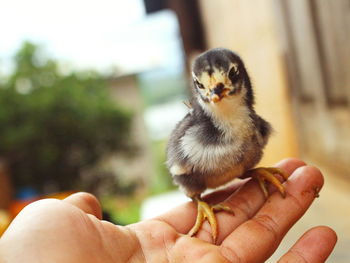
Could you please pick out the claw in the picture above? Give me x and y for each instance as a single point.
(206, 212)
(264, 174)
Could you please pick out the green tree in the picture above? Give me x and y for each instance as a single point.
(52, 126)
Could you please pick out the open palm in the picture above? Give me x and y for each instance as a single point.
(72, 230)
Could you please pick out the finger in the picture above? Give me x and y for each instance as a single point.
(222, 194)
(257, 239)
(86, 202)
(289, 165)
(245, 204)
(313, 247)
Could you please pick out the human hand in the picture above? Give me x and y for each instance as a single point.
(72, 230)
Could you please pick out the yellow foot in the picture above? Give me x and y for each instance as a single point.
(206, 211)
(264, 174)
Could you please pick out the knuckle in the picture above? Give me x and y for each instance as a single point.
(267, 223)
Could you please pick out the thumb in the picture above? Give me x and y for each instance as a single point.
(86, 202)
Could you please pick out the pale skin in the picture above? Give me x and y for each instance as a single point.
(71, 230)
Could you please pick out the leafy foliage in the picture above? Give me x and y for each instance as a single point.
(53, 126)
(161, 181)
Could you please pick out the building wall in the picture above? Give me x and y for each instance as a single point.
(125, 91)
(248, 28)
(316, 40)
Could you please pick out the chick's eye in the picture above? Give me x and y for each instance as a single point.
(233, 75)
(198, 84)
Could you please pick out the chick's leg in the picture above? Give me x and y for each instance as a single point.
(263, 174)
(206, 211)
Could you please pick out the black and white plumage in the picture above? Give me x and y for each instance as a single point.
(222, 136)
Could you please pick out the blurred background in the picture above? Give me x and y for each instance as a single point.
(89, 92)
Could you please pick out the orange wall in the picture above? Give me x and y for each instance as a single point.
(248, 27)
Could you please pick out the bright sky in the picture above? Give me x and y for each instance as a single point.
(91, 34)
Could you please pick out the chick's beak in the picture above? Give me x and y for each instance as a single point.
(217, 93)
(215, 98)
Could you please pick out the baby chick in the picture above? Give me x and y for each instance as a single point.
(222, 137)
